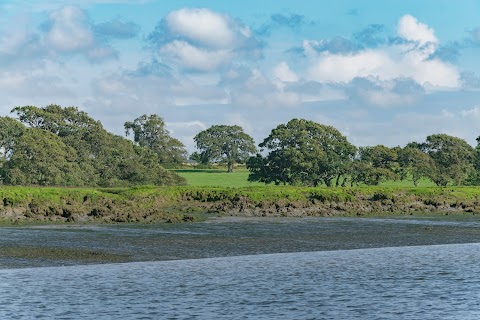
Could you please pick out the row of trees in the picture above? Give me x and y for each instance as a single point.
(304, 152)
(65, 146)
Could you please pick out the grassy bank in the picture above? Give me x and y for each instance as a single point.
(184, 204)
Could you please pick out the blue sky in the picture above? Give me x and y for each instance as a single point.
(382, 72)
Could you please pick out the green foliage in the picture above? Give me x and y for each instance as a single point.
(452, 158)
(302, 152)
(222, 143)
(150, 132)
(415, 164)
(64, 146)
(10, 130)
(375, 165)
(43, 159)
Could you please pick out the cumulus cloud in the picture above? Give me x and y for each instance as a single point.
(283, 72)
(202, 40)
(69, 30)
(190, 57)
(202, 26)
(410, 58)
(20, 44)
(411, 29)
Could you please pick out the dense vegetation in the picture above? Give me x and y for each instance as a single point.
(56, 146)
(303, 152)
(64, 146)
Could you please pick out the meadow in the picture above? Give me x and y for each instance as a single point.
(219, 177)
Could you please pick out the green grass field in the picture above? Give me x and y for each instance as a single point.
(217, 178)
(238, 178)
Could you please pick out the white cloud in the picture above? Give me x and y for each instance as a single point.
(202, 26)
(202, 40)
(283, 73)
(190, 57)
(409, 28)
(405, 60)
(70, 30)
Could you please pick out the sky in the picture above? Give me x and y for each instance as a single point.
(381, 72)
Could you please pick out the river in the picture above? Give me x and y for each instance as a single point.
(312, 268)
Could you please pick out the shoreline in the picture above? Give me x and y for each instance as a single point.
(24, 205)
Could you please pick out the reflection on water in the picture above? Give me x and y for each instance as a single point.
(426, 282)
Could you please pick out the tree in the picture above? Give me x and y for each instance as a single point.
(474, 177)
(415, 163)
(452, 157)
(10, 130)
(40, 157)
(302, 152)
(375, 164)
(222, 143)
(150, 132)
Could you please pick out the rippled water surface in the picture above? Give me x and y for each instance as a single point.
(248, 269)
(427, 282)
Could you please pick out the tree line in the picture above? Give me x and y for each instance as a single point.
(65, 146)
(303, 152)
(54, 145)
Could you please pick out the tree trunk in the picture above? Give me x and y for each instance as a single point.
(338, 180)
(230, 166)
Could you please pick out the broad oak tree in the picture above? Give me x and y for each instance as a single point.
(302, 152)
(415, 164)
(222, 143)
(452, 156)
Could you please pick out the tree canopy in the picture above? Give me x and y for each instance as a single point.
(302, 152)
(222, 143)
(452, 157)
(150, 132)
(64, 146)
(374, 165)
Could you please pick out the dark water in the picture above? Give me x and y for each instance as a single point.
(251, 269)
